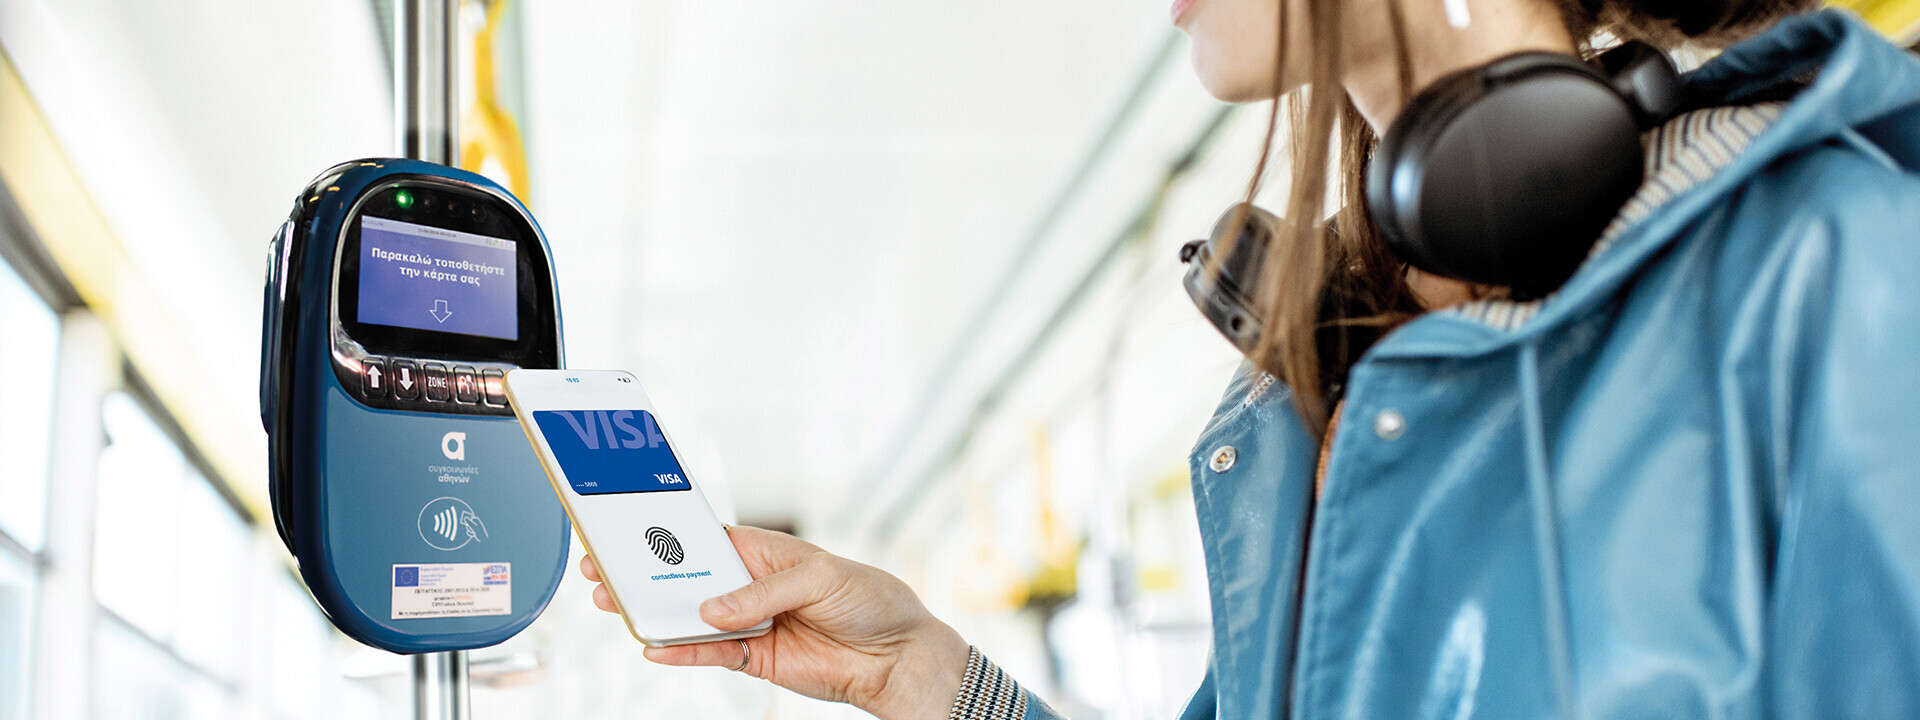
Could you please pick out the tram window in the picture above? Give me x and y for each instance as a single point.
(173, 565)
(137, 519)
(19, 585)
(216, 563)
(32, 333)
(133, 676)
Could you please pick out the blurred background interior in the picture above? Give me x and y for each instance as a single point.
(902, 275)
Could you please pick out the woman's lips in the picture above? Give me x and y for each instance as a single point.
(1180, 8)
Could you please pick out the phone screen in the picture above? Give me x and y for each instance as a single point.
(611, 451)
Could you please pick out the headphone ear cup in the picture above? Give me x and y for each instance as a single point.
(1223, 281)
(1396, 159)
(1506, 174)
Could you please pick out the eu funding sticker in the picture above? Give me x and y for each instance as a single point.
(452, 590)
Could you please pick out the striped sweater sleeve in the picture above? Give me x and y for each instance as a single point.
(988, 693)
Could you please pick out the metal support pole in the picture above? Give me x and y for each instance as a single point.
(425, 36)
(440, 685)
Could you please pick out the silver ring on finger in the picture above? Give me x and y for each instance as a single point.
(746, 655)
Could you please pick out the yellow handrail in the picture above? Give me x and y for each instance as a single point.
(1897, 19)
(488, 131)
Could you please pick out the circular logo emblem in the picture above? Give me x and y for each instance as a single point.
(449, 523)
(454, 445)
(665, 545)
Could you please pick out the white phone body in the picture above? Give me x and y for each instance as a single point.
(612, 475)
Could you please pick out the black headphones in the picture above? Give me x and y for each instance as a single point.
(1226, 296)
(1503, 174)
(1506, 174)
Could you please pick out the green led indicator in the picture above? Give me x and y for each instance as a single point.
(403, 198)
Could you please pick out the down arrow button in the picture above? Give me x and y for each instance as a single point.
(406, 380)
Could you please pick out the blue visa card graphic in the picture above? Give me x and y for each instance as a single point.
(611, 451)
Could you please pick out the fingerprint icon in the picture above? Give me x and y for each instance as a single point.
(665, 545)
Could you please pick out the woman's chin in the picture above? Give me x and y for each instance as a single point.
(1227, 81)
(1234, 90)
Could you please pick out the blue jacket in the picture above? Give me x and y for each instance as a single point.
(1687, 487)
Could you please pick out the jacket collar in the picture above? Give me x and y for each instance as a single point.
(1861, 81)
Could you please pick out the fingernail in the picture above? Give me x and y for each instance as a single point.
(721, 606)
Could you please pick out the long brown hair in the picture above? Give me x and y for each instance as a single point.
(1328, 290)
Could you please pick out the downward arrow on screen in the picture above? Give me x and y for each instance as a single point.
(440, 311)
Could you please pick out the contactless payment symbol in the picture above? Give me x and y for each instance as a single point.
(449, 523)
(665, 545)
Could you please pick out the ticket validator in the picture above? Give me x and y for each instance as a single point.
(398, 295)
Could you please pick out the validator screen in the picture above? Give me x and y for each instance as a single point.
(428, 278)
(611, 451)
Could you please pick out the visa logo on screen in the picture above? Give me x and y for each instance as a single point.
(599, 427)
(611, 451)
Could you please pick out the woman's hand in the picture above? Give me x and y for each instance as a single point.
(842, 631)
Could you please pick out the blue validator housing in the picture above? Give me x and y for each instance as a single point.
(398, 295)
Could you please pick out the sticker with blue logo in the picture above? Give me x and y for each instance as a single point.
(439, 590)
(495, 574)
(611, 451)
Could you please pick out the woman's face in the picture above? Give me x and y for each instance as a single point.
(1234, 45)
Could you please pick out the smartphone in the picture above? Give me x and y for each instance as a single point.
(660, 549)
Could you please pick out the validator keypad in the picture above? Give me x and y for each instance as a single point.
(435, 386)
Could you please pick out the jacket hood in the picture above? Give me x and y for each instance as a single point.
(1863, 92)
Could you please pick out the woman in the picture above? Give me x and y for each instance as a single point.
(1680, 485)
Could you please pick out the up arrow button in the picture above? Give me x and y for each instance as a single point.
(373, 378)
